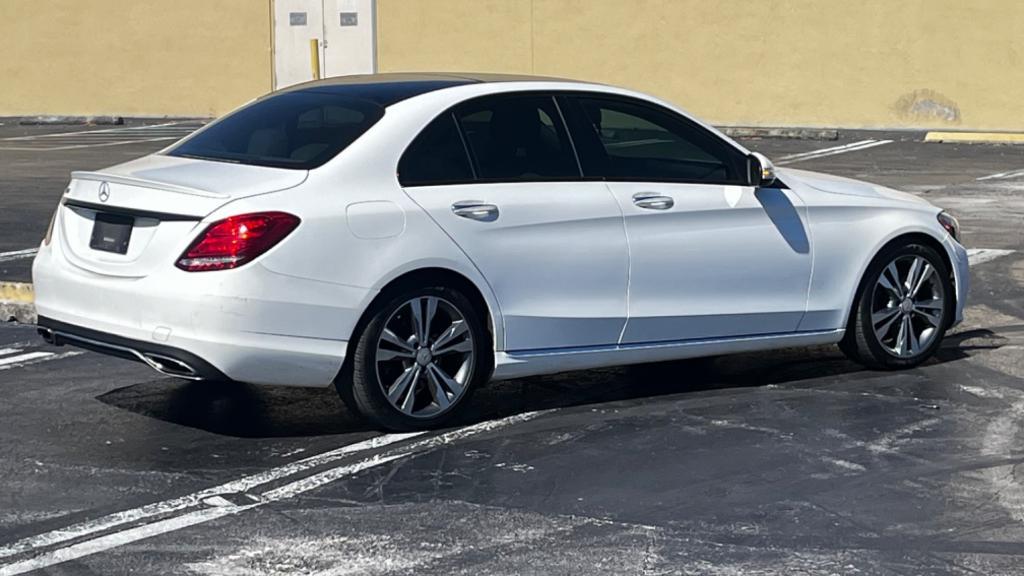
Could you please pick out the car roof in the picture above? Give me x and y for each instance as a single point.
(385, 89)
(389, 88)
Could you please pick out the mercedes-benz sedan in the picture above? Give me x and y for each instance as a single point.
(405, 238)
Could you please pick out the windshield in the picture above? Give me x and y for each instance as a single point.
(299, 130)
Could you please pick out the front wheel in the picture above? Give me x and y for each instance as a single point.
(418, 360)
(903, 308)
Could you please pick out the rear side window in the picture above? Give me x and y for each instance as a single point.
(641, 142)
(436, 156)
(299, 130)
(517, 138)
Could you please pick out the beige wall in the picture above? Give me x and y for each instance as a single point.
(849, 63)
(863, 63)
(132, 57)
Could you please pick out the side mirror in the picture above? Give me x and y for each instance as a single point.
(760, 170)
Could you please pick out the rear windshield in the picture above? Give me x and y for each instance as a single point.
(299, 130)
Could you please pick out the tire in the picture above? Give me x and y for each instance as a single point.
(877, 334)
(427, 389)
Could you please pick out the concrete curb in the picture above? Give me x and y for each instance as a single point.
(71, 121)
(781, 133)
(17, 302)
(19, 312)
(978, 137)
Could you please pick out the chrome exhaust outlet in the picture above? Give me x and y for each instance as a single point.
(169, 366)
(48, 336)
(163, 364)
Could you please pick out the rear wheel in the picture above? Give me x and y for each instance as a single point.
(418, 360)
(903, 308)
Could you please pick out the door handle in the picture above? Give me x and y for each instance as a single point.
(476, 210)
(653, 201)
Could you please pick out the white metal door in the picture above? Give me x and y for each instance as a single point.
(342, 29)
(711, 261)
(296, 24)
(554, 253)
(348, 37)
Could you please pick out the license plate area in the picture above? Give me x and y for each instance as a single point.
(111, 233)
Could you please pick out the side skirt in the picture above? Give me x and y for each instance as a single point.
(520, 363)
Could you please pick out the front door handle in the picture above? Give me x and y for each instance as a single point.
(476, 210)
(653, 201)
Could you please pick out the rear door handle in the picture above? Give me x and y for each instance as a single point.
(653, 201)
(475, 210)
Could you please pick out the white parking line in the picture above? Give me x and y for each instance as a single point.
(977, 256)
(116, 539)
(77, 146)
(23, 358)
(18, 254)
(220, 507)
(245, 484)
(100, 138)
(1002, 175)
(824, 152)
(32, 358)
(86, 132)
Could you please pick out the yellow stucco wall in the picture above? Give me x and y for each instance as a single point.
(132, 57)
(863, 63)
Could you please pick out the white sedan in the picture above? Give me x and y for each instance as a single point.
(405, 238)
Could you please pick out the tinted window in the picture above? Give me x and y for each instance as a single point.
(640, 142)
(436, 156)
(517, 138)
(299, 130)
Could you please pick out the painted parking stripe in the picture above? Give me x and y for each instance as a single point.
(210, 508)
(77, 146)
(822, 150)
(33, 358)
(245, 484)
(20, 358)
(126, 129)
(1002, 175)
(19, 355)
(18, 254)
(840, 150)
(101, 138)
(980, 255)
(172, 524)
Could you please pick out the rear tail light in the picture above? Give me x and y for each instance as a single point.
(232, 242)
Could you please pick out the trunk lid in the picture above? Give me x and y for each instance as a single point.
(156, 202)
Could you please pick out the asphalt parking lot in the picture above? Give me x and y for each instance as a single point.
(790, 462)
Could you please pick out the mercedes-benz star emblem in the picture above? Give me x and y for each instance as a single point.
(104, 191)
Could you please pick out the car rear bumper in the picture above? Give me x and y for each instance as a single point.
(248, 325)
(164, 359)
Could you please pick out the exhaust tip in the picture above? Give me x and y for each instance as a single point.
(48, 336)
(169, 366)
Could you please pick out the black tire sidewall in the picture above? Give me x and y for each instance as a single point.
(366, 393)
(874, 347)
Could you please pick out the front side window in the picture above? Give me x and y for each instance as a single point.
(635, 141)
(299, 130)
(517, 138)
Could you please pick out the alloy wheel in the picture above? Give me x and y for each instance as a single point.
(908, 306)
(425, 357)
